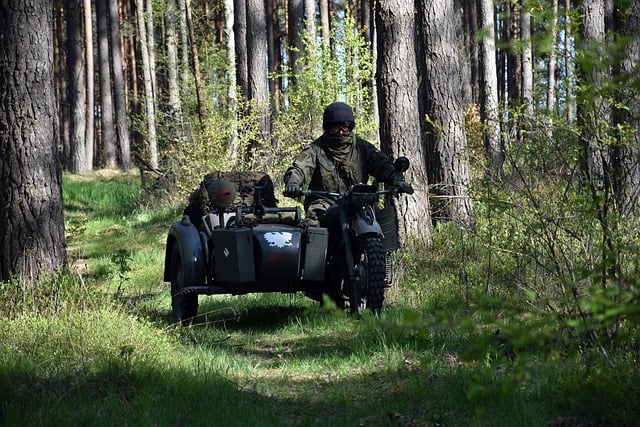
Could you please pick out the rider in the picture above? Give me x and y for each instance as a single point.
(337, 160)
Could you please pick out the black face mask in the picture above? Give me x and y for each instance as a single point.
(339, 146)
(339, 140)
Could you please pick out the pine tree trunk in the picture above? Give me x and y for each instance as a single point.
(195, 60)
(551, 72)
(324, 22)
(527, 58)
(568, 60)
(257, 65)
(32, 239)
(489, 91)
(446, 142)
(295, 27)
(397, 84)
(77, 159)
(150, 113)
(119, 98)
(106, 96)
(90, 95)
(240, 34)
(626, 153)
(593, 110)
(172, 62)
(232, 152)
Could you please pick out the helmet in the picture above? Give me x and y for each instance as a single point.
(338, 112)
(221, 192)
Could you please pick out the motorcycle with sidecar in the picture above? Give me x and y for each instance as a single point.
(239, 249)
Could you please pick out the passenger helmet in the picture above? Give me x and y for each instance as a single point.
(338, 112)
(221, 192)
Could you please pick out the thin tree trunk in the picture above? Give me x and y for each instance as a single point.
(151, 42)
(90, 95)
(324, 22)
(489, 93)
(310, 18)
(119, 97)
(568, 60)
(240, 34)
(296, 26)
(148, 87)
(172, 62)
(195, 60)
(551, 72)
(106, 96)
(232, 152)
(184, 43)
(257, 60)
(527, 58)
(471, 17)
(593, 110)
(273, 55)
(77, 159)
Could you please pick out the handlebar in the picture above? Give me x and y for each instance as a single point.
(320, 193)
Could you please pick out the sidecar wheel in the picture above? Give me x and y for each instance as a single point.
(373, 265)
(184, 305)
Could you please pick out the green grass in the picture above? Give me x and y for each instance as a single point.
(98, 347)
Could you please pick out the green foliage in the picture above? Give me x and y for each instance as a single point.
(231, 139)
(448, 349)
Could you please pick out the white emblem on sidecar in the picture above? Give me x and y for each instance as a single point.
(279, 239)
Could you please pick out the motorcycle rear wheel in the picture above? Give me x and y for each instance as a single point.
(184, 305)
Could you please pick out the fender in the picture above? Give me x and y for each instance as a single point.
(364, 222)
(185, 235)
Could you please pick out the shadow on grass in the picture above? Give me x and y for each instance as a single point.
(130, 395)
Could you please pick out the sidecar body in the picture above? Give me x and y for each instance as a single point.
(238, 248)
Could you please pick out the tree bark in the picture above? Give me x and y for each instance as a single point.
(296, 28)
(527, 58)
(90, 95)
(232, 151)
(551, 71)
(257, 65)
(489, 92)
(568, 49)
(172, 62)
(148, 87)
(32, 239)
(593, 110)
(626, 153)
(106, 96)
(446, 141)
(471, 24)
(119, 97)
(310, 18)
(195, 60)
(324, 23)
(77, 162)
(397, 85)
(240, 35)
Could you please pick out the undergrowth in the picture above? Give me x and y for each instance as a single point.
(459, 342)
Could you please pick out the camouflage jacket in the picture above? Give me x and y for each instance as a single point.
(317, 170)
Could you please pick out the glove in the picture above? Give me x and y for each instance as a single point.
(404, 187)
(292, 190)
(397, 181)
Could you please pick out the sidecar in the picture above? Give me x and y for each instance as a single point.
(234, 239)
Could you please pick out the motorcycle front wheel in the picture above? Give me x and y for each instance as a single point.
(372, 266)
